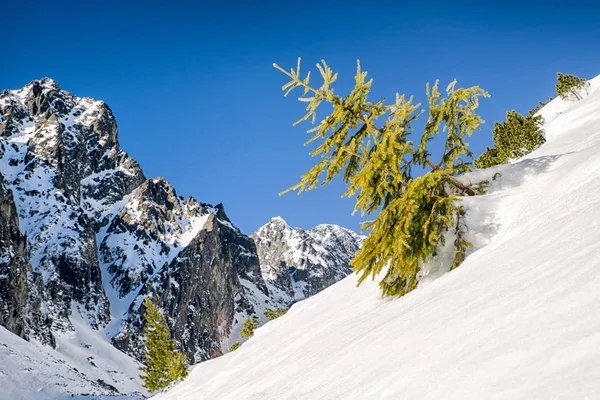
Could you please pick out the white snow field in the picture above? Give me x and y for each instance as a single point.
(520, 319)
(84, 362)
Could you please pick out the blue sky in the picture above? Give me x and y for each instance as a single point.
(197, 100)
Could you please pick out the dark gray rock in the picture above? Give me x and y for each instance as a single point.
(21, 289)
(14, 268)
(200, 291)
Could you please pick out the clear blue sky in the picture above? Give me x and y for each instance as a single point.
(198, 102)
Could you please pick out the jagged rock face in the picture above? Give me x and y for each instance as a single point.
(21, 290)
(84, 231)
(298, 263)
(13, 267)
(52, 146)
(147, 233)
(200, 292)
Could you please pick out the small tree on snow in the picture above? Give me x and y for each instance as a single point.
(274, 314)
(514, 138)
(369, 145)
(235, 346)
(571, 87)
(164, 364)
(249, 326)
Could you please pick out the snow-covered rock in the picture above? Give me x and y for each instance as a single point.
(517, 320)
(298, 263)
(85, 236)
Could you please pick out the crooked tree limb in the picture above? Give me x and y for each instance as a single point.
(455, 182)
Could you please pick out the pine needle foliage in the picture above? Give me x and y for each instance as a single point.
(235, 346)
(249, 326)
(164, 364)
(178, 367)
(571, 87)
(370, 146)
(514, 138)
(276, 313)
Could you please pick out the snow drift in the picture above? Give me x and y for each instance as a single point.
(518, 320)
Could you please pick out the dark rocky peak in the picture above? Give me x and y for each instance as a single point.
(203, 291)
(155, 205)
(147, 232)
(44, 97)
(13, 267)
(159, 191)
(219, 211)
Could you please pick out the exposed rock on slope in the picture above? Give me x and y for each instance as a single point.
(20, 288)
(298, 263)
(87, 235)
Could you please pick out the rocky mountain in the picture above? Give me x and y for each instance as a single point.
(86, 235)
(297, 263)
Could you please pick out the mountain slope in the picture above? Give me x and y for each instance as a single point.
(33, 371)
(99, 233)
(85, 236)
(518, 320)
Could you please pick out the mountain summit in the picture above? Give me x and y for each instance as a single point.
(297, 263)
(85, 236)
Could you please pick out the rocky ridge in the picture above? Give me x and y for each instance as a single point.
(84, 231)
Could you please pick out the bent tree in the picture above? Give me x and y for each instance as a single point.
(370, 146)
(571, 87)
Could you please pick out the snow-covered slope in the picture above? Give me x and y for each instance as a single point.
(518, 320)
(33, 371)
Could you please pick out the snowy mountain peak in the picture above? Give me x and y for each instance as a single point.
(45, 82)
(297, 263)
(85, 236)
(277, 219)
(35, 87)
(275, 223)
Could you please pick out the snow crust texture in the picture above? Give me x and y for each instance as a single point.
(518, 320)
(85, 235)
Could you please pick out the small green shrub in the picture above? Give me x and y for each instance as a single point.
(249, 326)
(571, 87)
(276, 313)
(515, 137)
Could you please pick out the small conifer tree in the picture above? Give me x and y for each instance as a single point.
(249, 326)
(513, 138)
(539, 106)
(377, 161)
(276, 313)
(178, 368)
(235, 346)
(571, 87)
(163, 364)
